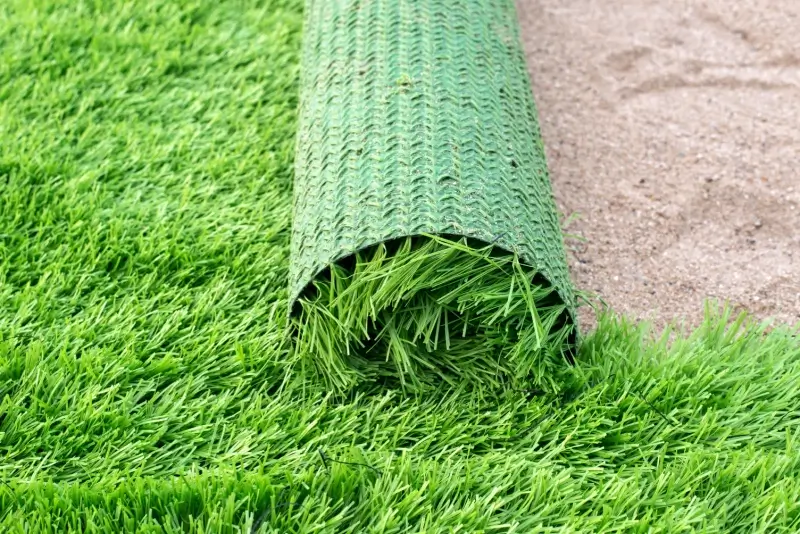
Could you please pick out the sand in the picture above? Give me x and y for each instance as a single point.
(673, 131)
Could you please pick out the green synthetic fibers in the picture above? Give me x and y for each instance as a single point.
(429, 310)
(146, 153)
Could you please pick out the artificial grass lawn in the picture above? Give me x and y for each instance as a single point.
(145, 177)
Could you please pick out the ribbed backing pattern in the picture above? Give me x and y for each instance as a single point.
(417, 117)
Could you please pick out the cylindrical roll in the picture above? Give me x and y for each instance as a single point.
(417, 118)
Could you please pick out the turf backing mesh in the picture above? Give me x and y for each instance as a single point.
(417, 119)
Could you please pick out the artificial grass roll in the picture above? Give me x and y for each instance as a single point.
(417, 120)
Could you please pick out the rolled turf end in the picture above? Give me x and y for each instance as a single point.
(417, 119)
(420, 312)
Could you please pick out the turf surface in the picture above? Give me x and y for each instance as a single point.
(145, 175)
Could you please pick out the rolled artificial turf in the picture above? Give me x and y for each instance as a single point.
(417, 120)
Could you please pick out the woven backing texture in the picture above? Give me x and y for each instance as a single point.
(417, 117)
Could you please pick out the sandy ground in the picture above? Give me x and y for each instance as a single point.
(673, 130)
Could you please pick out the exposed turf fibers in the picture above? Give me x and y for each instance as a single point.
(427, 310)
(145, 156)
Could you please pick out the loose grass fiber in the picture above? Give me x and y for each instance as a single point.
(417, 119)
